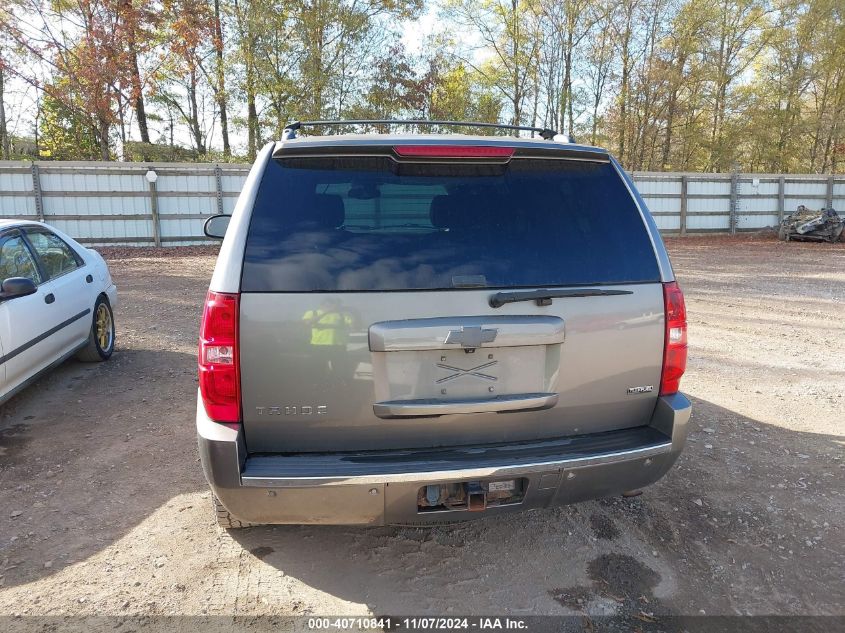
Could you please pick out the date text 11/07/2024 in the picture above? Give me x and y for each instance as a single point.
(422, 623)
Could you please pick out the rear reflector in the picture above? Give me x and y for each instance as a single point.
(675, 345)
(219, 375)
(453, 151)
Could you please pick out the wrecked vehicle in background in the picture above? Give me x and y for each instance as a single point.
(812, 226)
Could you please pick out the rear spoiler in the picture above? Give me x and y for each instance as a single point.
(369, 146)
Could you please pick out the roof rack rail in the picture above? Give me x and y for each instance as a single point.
(291, 128)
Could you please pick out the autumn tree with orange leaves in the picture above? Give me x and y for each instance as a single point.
(84, 56)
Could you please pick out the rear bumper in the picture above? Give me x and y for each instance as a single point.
(380, 487)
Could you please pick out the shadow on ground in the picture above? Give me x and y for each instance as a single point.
(745, 523)
(86, 455)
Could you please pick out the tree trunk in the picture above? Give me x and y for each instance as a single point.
(122, 122)
(252, 112)
(670, 122)
(821, 110)
(137, 86)
(624, 88)
(138, 97)
(517, 96)
(601, 70)
(721, 93)
(35, 131)
(194, 122)
(565, 91)
(645, 127)
(318, 78)
(103, 138)
(569, 51)
(623, 102)
(221, 79)
(536, 106)
(670, 110)
(5, 144)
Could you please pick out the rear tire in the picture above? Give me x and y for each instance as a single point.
(224, 517)
(100, 343)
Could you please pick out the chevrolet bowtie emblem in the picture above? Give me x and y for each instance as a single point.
(471, 336)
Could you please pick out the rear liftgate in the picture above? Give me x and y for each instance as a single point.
(460, 365)
(421, 366)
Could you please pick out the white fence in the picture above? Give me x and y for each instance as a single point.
(699, 203)
(113, 203)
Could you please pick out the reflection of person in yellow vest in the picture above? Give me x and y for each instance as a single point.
(329, 325)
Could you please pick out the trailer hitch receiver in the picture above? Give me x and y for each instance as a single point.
(476, 496)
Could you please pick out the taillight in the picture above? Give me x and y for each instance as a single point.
(219, 376)
(675, 345)
(453, 151)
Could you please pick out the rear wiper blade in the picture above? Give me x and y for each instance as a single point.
(544, 297)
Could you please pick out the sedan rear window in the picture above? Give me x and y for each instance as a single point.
(372, 223)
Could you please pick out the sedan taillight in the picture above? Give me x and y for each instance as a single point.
(219, 375)
(675, 345)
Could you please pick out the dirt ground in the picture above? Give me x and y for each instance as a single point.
(104, 509)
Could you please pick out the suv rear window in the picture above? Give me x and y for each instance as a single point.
(372, 223)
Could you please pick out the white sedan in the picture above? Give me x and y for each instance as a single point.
(56, 300)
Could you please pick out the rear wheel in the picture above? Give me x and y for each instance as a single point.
(224, 517)
(100, 343)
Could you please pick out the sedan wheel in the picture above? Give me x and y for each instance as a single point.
(100, 343)
(104, 327)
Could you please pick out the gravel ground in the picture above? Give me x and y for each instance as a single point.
(104, 510)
